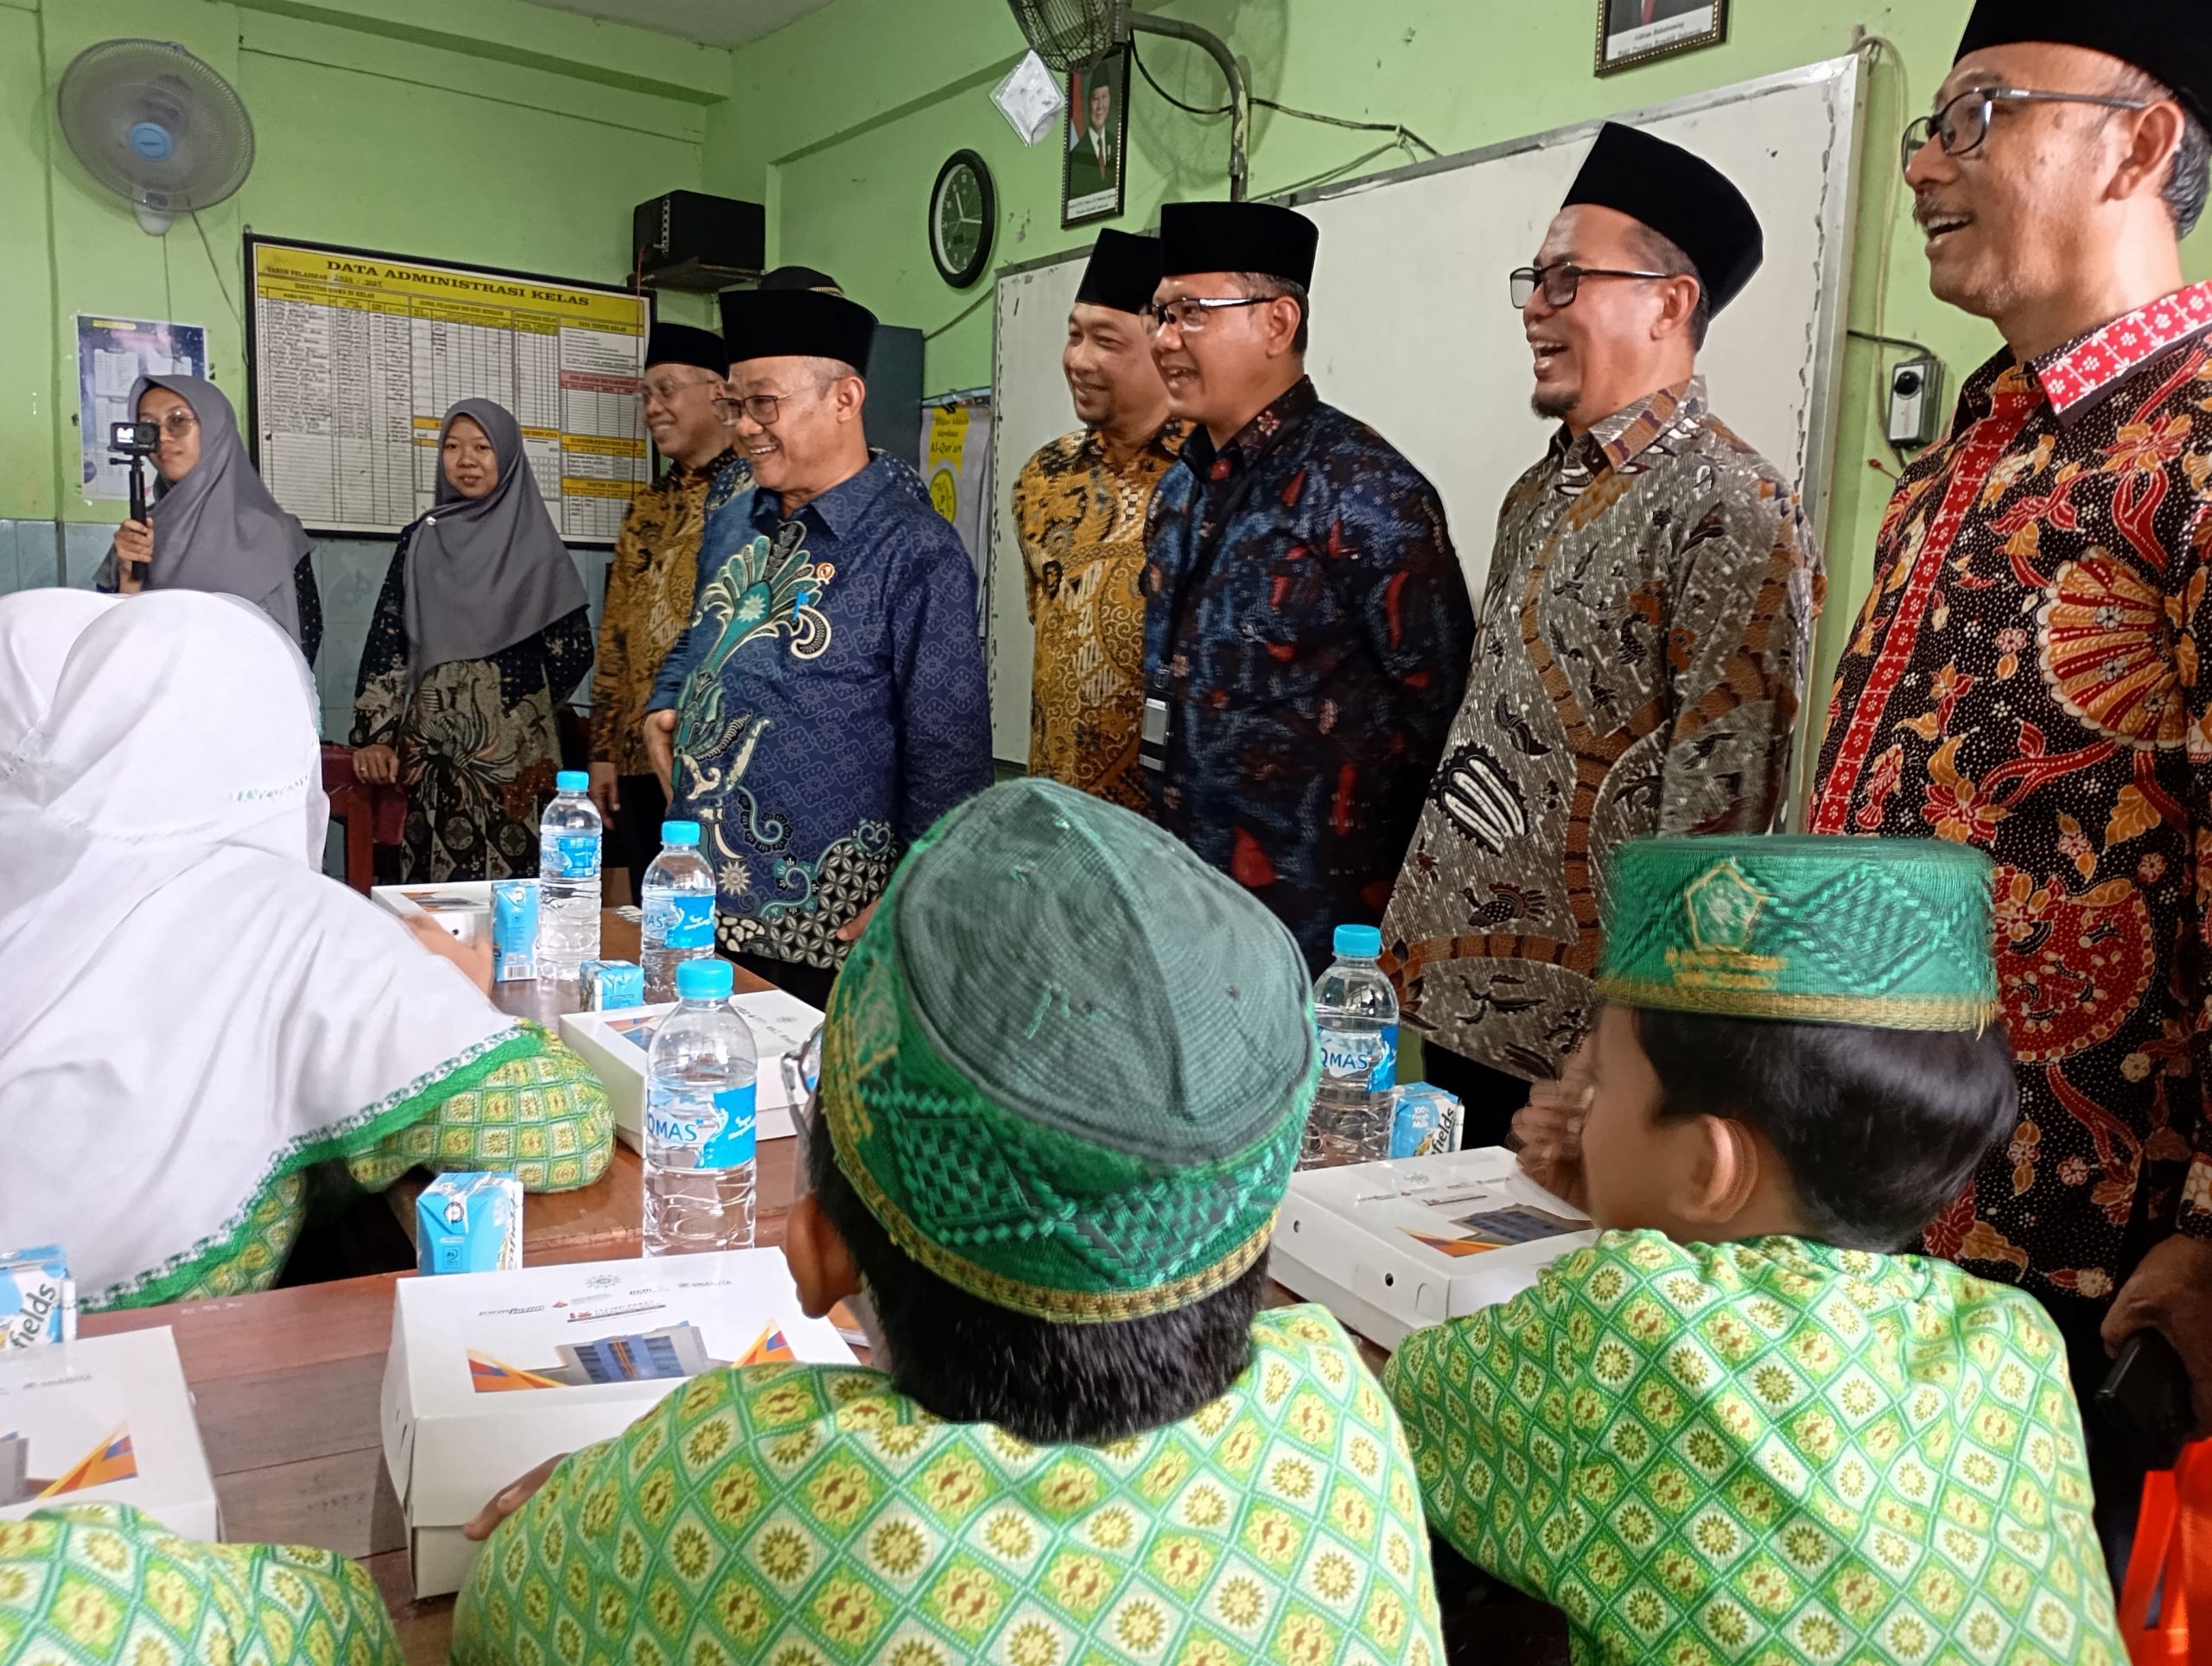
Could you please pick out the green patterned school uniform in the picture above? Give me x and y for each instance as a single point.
(522, 1102)
(806, 1514)
(1767, 1452)
(94, 1584)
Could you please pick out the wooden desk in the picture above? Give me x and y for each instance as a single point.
(601, 1221)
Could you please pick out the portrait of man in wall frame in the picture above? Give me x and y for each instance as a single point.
(1632, 32)
(1094, 172)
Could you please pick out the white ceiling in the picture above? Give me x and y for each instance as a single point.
(717, 22)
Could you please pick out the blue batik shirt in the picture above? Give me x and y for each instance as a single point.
(830, 704)
(1308, 626)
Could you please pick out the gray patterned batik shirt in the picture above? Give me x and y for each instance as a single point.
(1638, 668)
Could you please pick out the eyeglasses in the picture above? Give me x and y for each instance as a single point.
(1188, 313)
(667, 392)
(762, 408)
(802, 1073)
(1962, 125)
(1562, 282)
(180, 423)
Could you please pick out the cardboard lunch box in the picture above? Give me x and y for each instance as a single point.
(1392, 1248)
(614, 1044)
(490, 1374)
(104, 1419)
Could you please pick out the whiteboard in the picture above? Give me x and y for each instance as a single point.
(353, 359)
(1412, 331)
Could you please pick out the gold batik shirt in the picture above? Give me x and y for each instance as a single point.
(649, 588)
(1081, 521)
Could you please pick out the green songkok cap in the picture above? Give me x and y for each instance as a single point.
(1891, 933)
(1068, 1064)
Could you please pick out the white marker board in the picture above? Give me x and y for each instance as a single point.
(1413, 330)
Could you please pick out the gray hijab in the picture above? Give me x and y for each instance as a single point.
(217, 529)
(486, 573)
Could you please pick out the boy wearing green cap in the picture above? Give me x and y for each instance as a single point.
(1063, 1081)
(1736, 1427)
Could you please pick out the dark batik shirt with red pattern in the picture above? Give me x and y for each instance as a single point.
(1314, 663)
(2025, 678)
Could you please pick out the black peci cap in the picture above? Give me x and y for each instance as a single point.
(1238, 237)
(1123, 273)
(2170, 40)
(1682, 197)
(797, 324)
(686, 344)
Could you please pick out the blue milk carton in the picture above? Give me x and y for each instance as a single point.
(470, 1224)
(38, 1299)
(1428, 1121)
(610, 986)
(514, 932)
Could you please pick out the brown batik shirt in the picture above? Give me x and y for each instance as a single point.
(1081, 523)
(1639, 669)
(2025, 678)
(649, 593)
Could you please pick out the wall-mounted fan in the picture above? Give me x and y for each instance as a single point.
(1073, 34)
(156, 126)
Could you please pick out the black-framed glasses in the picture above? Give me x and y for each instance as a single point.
(1962, 124)
(762, 408)
(1562, 281)
(1188, 313)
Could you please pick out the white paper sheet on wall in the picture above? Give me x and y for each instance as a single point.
(113, 353)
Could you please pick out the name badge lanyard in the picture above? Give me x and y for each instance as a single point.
(1153, 740)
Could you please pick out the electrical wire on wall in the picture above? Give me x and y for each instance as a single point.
(1403, 137)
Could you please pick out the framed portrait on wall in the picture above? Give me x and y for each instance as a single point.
(1093, 159)
(1632, 32)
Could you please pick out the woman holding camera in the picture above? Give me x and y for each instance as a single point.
(480, 633)
(212, 524)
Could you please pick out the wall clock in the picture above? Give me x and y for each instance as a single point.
(964, 216)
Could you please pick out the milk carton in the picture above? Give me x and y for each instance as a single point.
(38, 1299)
(470, 1224)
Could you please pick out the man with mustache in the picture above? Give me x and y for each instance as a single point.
(2026, 675)
(827, 703)
(1644, 631)
(1079, 510)
(1307, 623)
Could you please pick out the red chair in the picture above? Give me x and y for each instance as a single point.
(371, 814)
(2170, 1573)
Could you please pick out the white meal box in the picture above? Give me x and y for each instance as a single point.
(462, 906)
(613, 1044)
(491, 1374)
(104, 1419)
(1391, 1248)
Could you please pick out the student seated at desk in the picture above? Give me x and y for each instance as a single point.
(1736, 1428)
(1063, 1080)
(191, 1015)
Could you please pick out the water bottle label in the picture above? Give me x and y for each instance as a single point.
(687, 919)
(732, 1145)
(1368, 1061)
(569, 856)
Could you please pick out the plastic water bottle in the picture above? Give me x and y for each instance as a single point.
(678, 905)
(1356, 1013)
(701, 1092)
(568, 874)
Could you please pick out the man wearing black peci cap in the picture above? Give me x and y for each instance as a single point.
(1644, 637)
(827, 701)
(1306, 624)
(650, 579)
(2028, 673)
(1079, 510)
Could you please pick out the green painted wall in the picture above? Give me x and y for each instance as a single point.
(844, 118)
(485, 132)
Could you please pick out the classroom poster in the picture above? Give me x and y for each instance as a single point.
(113, 353)
(956, 464)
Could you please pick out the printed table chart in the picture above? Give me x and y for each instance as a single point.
(356, 358)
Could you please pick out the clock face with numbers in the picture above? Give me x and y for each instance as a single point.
(963, 215)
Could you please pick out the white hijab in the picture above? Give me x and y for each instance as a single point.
(37, 630)
(188, 1009)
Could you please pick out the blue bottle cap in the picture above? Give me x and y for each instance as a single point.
(704, 980)
(1358, 942)
(680, 832)
(572, 781)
